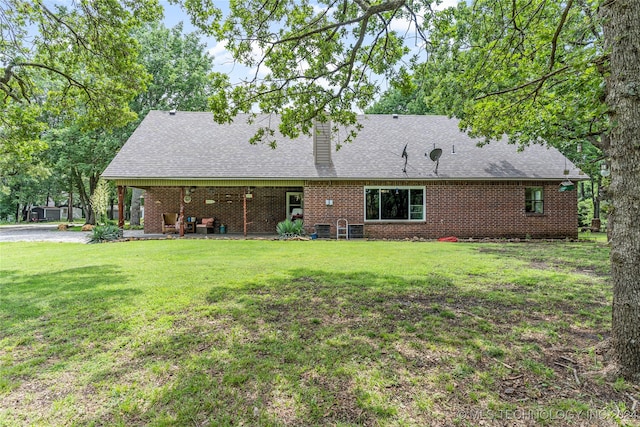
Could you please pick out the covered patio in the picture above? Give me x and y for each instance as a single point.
(236, 210)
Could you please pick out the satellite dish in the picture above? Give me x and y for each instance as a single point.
(434, 155)
(406, 158)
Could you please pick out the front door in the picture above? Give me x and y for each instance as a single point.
(294, 201)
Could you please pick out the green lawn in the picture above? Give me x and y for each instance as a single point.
(269, 333)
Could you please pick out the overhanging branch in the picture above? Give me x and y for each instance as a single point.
(524, 85)
(368, 13)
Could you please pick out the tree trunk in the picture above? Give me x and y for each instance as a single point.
(136, 193)
(595, 197)
(84, 198)
(111, 210)
(70, 203)
(622, 36)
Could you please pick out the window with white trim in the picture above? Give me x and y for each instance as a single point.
(534, 200)
(394, 203)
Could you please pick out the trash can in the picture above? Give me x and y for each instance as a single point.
(223, 229)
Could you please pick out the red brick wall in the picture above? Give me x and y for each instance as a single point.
(264, 210)
(453, 208)
(462, 209)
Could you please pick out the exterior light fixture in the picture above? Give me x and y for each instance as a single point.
(566, 185)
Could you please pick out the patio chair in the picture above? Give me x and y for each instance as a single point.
(205, 226)
(169, 222)
(296, 213)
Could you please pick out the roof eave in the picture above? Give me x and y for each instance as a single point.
(333, 178)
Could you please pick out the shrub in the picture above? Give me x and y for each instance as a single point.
(104, 233)
(585, 212)
(288, 228)
(100, 200)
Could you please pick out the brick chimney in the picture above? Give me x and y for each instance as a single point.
(322, 143)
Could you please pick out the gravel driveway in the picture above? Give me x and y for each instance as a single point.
(47, 233)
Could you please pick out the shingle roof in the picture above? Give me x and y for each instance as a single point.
(190, 145)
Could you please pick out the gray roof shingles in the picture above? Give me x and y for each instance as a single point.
(190, 145)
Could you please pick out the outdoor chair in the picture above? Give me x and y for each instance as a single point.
(205, 226)
(169, 222)
(296, 213)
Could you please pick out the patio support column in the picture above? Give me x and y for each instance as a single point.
(121, 191)
(181, 216)
(244, 212)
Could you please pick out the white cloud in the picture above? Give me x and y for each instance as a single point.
(407, 28)
(220, 53)
(445, 4)
(402, 25)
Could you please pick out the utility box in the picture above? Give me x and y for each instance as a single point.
(323, 231)
(356, 231)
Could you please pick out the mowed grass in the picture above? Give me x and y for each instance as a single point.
(272, 333)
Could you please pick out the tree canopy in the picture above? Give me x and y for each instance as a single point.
(308, 59)
(179, 66)
(86, 52)
(74, 81)
(75, 61)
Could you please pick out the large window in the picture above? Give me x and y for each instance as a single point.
(394, 203)
(534, 200)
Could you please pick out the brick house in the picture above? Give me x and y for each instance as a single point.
(402, 177)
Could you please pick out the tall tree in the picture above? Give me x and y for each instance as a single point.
(562, 73)
(399, 100)
(308, 59)
(622, 36)
(22, 189)
(81, 156)
(536, 68)
(85, 51)
(75, 60)
(464, 46)
(180, 67)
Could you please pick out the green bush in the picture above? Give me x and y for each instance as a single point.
(585, 212)
(288, 228)
(104, 233)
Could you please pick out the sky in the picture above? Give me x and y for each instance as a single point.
(222, 59)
